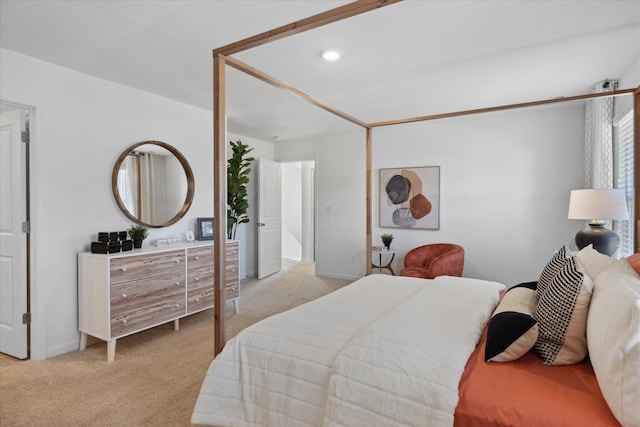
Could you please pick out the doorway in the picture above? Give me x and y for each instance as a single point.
(298, 210)
(14, 230)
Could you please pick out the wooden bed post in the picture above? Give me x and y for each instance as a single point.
(636, 166)
(219, 201)
(368, 201)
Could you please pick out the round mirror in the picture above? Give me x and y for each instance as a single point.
(153, 184)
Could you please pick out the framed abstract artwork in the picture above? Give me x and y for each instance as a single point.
(410, 198)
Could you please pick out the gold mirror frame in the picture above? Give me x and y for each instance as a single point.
(188, 173)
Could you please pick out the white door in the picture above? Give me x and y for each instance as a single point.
(269, 218)
(13, 242)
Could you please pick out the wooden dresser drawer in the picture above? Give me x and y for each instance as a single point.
(203, 297)
(231, 292)
(233, 252)
(200, 277)
(146, 301)
(199, 299)
(232, 285)
(136, 267)
(134, 293)
(200, 257)
(200, 288)
(150, 313)
(232, 273)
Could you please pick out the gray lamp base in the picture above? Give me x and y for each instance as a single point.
(603, 240)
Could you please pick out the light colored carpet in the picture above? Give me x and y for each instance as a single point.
(157, 374)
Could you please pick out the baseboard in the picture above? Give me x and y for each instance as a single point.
(64, 348)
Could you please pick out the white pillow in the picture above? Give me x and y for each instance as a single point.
(594, 262)
(613, 338)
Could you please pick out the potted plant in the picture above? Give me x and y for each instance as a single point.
(237, 180)
(386, 240)
(138, 233)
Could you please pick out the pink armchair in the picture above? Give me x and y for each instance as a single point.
(438, 259)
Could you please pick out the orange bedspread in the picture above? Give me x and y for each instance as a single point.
(527, 393)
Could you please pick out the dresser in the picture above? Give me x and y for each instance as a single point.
(127, 292)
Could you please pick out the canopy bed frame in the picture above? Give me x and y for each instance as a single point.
(222, 57)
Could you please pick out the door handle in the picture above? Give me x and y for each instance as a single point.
(261, 224)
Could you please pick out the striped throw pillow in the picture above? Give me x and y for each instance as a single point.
(562, 315)
(551, 269)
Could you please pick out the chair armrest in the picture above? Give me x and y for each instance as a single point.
(449, 264)
(419, 257)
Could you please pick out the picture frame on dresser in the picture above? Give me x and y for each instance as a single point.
(205, 228)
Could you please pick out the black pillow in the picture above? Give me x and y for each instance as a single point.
(512, 330)
(528, 285)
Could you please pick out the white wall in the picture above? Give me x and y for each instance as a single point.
(341, 225)
(505, 183)
(505, 180)
(82, 124)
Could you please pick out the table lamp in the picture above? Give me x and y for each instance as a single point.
(597, 205)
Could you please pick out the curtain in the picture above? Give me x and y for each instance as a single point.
(599, 138)
(128, 184)
(147, 213)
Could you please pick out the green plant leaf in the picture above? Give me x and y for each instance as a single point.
(238, 170)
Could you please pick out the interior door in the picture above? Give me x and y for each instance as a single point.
(269, 218)
(13, 241)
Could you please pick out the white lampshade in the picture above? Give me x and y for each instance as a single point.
(598, 204)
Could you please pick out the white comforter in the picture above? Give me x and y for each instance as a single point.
(382, 351)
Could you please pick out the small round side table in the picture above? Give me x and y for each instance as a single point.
(386, 266)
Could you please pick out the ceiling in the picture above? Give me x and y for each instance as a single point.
(408, 59)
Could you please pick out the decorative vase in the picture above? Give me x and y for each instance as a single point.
(137, 243)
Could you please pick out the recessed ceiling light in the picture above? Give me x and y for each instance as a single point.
(331, 54)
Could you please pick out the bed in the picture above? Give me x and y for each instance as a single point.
(405, 351)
